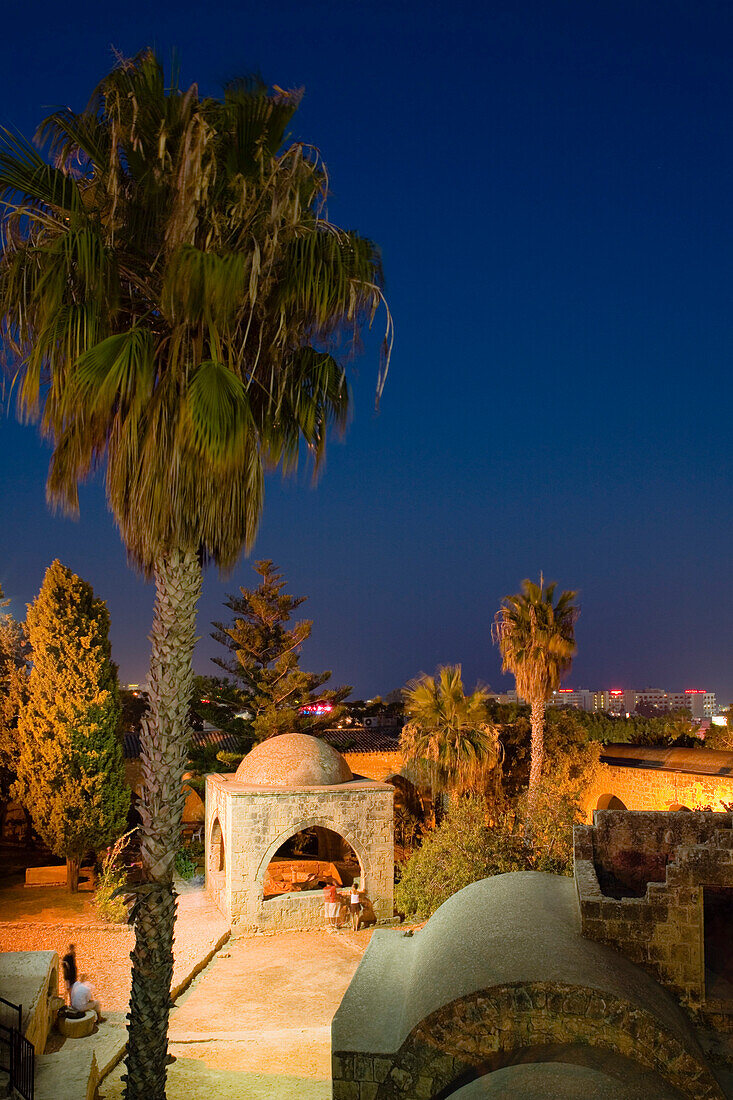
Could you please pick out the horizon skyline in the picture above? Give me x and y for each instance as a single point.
(550, 193)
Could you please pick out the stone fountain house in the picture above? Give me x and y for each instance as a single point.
(284, 786)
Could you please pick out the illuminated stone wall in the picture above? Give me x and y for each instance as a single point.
(655, 790)
(256, 822)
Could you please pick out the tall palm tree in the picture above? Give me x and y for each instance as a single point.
(178, 307)
(448, 732)
(536, 638)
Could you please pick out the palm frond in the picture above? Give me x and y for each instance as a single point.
(26, 177)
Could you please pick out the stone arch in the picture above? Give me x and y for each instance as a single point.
(534, 1022)
(301, 826)
(216, 859)
(610, 802)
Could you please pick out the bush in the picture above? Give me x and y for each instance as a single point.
(472, 843)
(463, 849)
(112, 877)
(185, 865)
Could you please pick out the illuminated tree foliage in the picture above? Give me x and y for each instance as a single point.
(71, 775)
(447, 734)
(14, 658)
(264, 660)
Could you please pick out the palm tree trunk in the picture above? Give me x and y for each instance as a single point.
(537, 722)
(163, 751)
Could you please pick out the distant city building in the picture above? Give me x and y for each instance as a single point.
(627, 701)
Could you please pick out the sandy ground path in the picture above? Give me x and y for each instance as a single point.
(257, 1022)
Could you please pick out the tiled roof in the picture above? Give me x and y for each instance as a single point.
(359, 739)
(222, 742)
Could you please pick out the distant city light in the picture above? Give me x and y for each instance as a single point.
(565, 691)
(316, 709)
(695, 691)
(616, 691)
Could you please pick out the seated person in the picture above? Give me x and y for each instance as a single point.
(82, 1000)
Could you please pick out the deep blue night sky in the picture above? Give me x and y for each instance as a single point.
(551, 187)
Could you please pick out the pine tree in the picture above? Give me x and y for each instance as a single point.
(71, 776)
(264, 659)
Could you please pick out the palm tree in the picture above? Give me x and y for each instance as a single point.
(448, 733)
(178, 307)
(536, 639)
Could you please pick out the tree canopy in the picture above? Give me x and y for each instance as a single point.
(14, 668)
(263, 660)
(536, 639)
(71, 775)
(447, 734)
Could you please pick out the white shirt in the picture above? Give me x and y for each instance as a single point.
(81, 995)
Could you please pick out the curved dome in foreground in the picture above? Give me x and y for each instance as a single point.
(293, 760)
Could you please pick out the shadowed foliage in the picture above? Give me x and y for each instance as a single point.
(177, 305)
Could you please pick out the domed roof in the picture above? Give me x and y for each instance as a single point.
(293, 760)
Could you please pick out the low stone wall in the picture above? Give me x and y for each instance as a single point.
(301, 909)
(537, 1021)
(30, 979)
(662, 930)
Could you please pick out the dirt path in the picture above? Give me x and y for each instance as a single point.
(257, 1022)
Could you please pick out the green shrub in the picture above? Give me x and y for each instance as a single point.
(461, 850)
(185, 865)
(195, 849)
(467, 846)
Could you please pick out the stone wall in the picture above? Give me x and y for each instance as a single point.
(256, 822)
(538, 1021)
(655, 790)
(663, 929)
(374, 765)
(30, 979)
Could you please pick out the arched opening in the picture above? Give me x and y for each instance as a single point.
(217, 854)
(678, 806)
(309, 860)
(610, 802)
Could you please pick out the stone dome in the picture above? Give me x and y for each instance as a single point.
(293, 760)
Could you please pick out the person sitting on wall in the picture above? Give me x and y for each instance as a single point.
(82, 998)
(367, 917)
(68, 970)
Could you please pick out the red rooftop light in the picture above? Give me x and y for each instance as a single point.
(695, 691)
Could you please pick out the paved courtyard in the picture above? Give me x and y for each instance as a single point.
(257, 1022)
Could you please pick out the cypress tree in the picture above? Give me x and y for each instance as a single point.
(71, 776)
(14, 661)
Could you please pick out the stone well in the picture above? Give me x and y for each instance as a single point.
(287, 784)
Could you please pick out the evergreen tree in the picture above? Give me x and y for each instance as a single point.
(264, 659)
(71, 776)
(14, 658)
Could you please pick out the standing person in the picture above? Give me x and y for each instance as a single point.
(68, 969)
(355, 904)
(330, 904)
